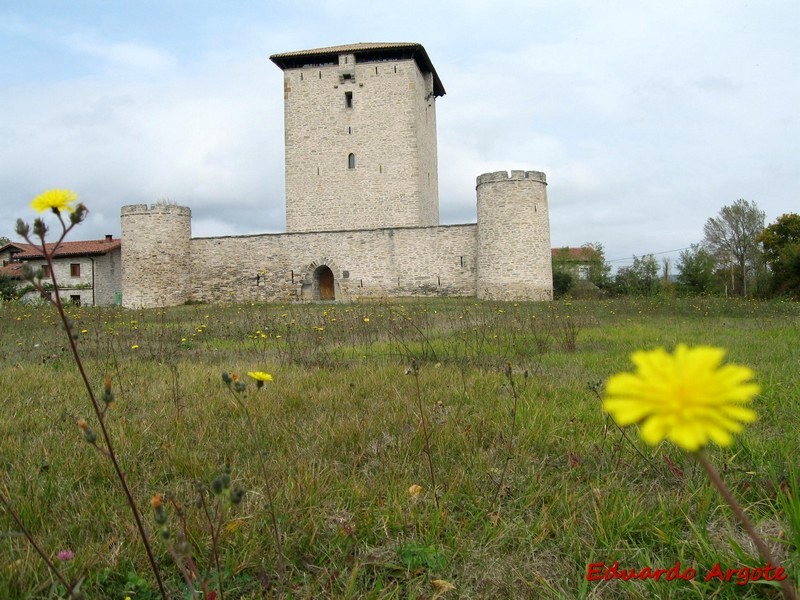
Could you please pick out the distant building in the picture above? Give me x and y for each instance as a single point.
(88, 272)
(362, 203)
(576, 261)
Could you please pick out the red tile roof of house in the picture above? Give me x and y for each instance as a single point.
(12, 270)
(576, 254)
(84, 248)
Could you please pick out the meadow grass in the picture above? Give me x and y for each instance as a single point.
(527, 500)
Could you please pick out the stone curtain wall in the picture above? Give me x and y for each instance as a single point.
(155, 255)
(514, 260)
(426, 261)
(385, 129)
(506, 256)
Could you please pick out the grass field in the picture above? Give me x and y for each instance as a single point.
(534, 483)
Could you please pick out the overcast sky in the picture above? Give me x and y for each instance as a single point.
(647, 117)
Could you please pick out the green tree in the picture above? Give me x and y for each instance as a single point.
(696, 270)
(4, 240)
(562, 283)
(640, 278)
(732, 237)
(781, 243)
(599, 269)
(8, 288)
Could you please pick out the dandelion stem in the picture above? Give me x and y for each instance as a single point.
(33, 543)
(415, 371)
(789, 592)
(56, 300)
(214, 541)
(262, 465)
(510, 446)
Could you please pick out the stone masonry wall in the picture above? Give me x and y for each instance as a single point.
(384, 127)
(424, 261)
(514, 256)
(69, 286)
(108, 277)
(428, 169)
(155, 255)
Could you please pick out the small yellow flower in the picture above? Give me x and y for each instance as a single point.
(688, 397)
(55, 200)
(366, 319)
(260, 377)
(414, 491)
(135, 347)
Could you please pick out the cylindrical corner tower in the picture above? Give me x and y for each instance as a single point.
(156, 265)
(514, 256)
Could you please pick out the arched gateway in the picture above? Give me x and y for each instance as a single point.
(324, 285)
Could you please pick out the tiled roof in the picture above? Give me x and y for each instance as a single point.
(366, 50)
(347, 48)
(13, 270)
(84, 248)
(18, 245)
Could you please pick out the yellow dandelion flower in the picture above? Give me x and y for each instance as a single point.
(688, 397)
(260, 376)
(55, 200)
(135, 347)
(366, 319)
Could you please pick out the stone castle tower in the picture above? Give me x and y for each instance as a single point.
(362, 203)
(360, 127)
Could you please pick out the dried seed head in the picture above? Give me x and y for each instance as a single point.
(22, 229)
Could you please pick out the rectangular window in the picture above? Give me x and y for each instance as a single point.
(75, 299)
(348, 99)
(46, 270)
(75, 270)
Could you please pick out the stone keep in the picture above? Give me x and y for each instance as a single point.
(362, 207)
(360, 128)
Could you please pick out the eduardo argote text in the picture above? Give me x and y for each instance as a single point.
(599, 571)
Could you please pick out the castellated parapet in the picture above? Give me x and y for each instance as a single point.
(513, 237)
(156, 268)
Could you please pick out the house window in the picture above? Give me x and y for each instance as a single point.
(46, 271)
(75, 270)
(351, 161)
(348, 99)
(583, 272)
(75, 299)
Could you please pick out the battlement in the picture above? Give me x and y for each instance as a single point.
(515, 176)
(156, 209)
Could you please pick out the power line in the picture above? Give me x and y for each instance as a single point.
(653, 253)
